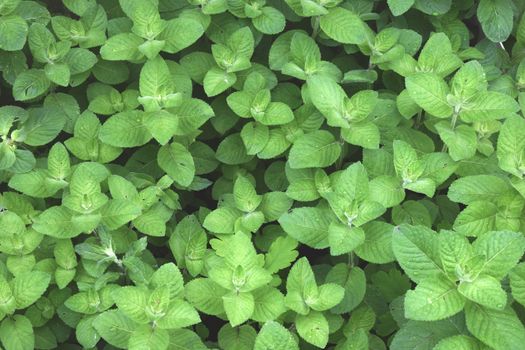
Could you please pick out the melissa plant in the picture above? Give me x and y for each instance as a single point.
(262, 174)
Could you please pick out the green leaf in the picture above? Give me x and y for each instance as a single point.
(222, 220)
(317, 149)
(343, 238)
(231, 151)
(460, 342)
(495, 17)
(180, 314)
(517, 283)
(30, 84)
(269, 304)
(489, 106)
(377, 246)
(205, 295)
(502, 251)
(125, 129)
(270, 21)
(57, 222)
(437, 55)
(343, 26)
(181, 33)
(499, 329)
(416, 250)
(17, 333)
(484, 290)
(476, 219)
(122, 47)
(13, 33)
(281, 254)
(118, 212)
(114, 327)
(58, 163)
(146, 337)
(313, 328)
(364, 134)
(511, 146)
(28, 287)
(308, 226)
(398, 7)
(327, 96)
(434, 298)
(8, 6)
(429, 91)
(177, 162)
(217, 81)
(36, 184)
(274, 336)
(239, 307)
(461, 141)
(58, 73)
(473, 188)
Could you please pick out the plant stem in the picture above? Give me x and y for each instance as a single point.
(453, 122)
(315, 27)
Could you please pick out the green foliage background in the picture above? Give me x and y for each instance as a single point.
(262, 174)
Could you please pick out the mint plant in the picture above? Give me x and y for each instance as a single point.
(262, 174)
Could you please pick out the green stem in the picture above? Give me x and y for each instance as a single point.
(351, 259)
(316, 26)
(418, 119)
(339, 163)
(453, 122)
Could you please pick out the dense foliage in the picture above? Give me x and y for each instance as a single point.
(262, 174)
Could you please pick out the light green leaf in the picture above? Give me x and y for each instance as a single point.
(484, 290)
(13, 33)
(416, 250)
(239, 307)
(17, 333)
(180, 33)
(125, 129)
(118, 212)
(502, 251)
(313, 328)
(317, 149)
(217, 81)
(122, 47)
(269, 304)
(343, 238)
(499, 329)
(307, 225)
(398, 7)
(270, 21)
(473, 188)
(180, 314)
(517, 283)
(377, 246)
(511, 146)
(495, 17)
(487, 106)
(459, 342)
(461, 141)
(273, 336)
(30, 84)
(146, 337)
(28, 287)
(434, 298)
(222, 220)
(343, 26)
(132, 302)
(114, 327)
(177, 162)
(429, 91)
